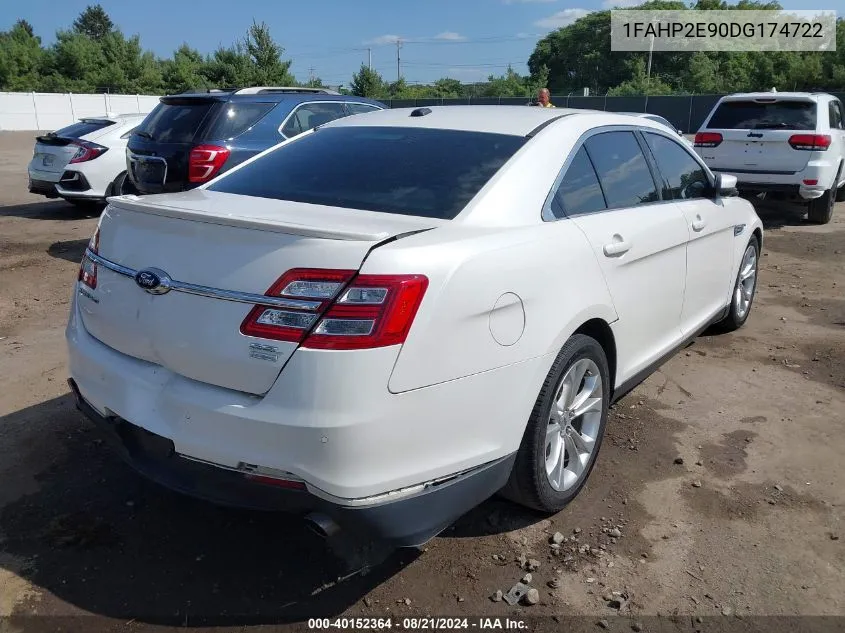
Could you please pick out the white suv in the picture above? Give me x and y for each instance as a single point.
(788, 142)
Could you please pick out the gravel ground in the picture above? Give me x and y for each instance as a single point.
(718, 494)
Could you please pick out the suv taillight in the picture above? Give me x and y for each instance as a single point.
(707, 139)
(339, 309)
(88, 268)
(86, 150)
(810, 142)
(205, 161)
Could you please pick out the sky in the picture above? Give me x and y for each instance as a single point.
(464, 39)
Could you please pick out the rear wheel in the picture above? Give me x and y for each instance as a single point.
(820, 210)
(565, 430)
(121, 186)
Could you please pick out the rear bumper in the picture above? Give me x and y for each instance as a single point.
(408, 522)
(328, 421)
(821, 173)
(43, 188)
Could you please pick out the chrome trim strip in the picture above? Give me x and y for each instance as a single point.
(213, 293)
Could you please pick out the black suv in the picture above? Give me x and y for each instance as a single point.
(190, 138)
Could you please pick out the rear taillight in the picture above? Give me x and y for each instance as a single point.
(205, 161)
(810, 142)
(86, 150)
(334, 309)
(708, 139)
(88, 268)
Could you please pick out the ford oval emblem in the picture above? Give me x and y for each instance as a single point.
(153, 280)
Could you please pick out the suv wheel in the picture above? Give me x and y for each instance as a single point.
(565, 430)
(820, 210)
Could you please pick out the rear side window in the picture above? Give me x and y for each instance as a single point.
(233, 119)
(361, 108)
(86, 126)
(310, 115)
(176, 122)
(685, 177)
(773, 115)
(836, 116)
(622, 169)
(579, 191)
(421, 172)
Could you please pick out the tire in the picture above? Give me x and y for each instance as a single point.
(748, 272)
(820, 210)
(121, 185)
(530, 483)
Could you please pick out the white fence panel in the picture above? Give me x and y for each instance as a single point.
(51, 111)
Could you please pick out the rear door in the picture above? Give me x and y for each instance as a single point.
(710, 249)
(640, 243)
(755, 135)
(158, 152)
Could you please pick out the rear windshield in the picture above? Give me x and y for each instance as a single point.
(86, 126)
(751, 115)
(234, 119)
(409, 171)
(175, 122)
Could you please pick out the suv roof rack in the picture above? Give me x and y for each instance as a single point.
(199, 91)
(259, 90)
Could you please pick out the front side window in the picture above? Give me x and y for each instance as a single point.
(409, 171)
(310, 115)
(622, 169)
(579, 191)
(685, 177)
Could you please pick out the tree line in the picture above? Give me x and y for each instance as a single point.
(93, 55)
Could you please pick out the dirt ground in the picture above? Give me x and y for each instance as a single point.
(750, 524)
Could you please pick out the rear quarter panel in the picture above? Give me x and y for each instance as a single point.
(528, 287)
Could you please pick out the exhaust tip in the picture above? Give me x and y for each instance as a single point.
(321, 525)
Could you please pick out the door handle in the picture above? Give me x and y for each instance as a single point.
(698, 223)
(617, 247)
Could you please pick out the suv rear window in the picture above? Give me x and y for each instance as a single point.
(234, 119)
(177, 121)
(753, 115)
(422, 172)
(83, 127)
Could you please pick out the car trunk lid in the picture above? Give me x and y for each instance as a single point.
(224, 242)
(756, 132)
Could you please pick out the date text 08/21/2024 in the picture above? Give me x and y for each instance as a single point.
(414, 624)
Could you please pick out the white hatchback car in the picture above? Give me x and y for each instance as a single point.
(84, 162)
(388, 319)
(780, 142)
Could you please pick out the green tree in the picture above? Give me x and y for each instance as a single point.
(367, 83)
(265, 54)
(94, 22)
(21, 58)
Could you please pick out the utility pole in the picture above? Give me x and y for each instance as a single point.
(370, 58)
(398, 61)
(311, 75)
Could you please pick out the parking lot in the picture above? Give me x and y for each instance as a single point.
(722, 472)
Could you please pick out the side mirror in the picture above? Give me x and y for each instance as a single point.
(725, 185)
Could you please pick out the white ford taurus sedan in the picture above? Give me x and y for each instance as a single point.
(387, 320)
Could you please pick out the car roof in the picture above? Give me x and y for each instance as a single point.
(742, 96)
(271, 95)
(493, 119)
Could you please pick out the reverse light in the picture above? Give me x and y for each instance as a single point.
(205, 161)
(340, 311)
(707, 139)
(88, 268)
(810, 142)
(86, 150)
